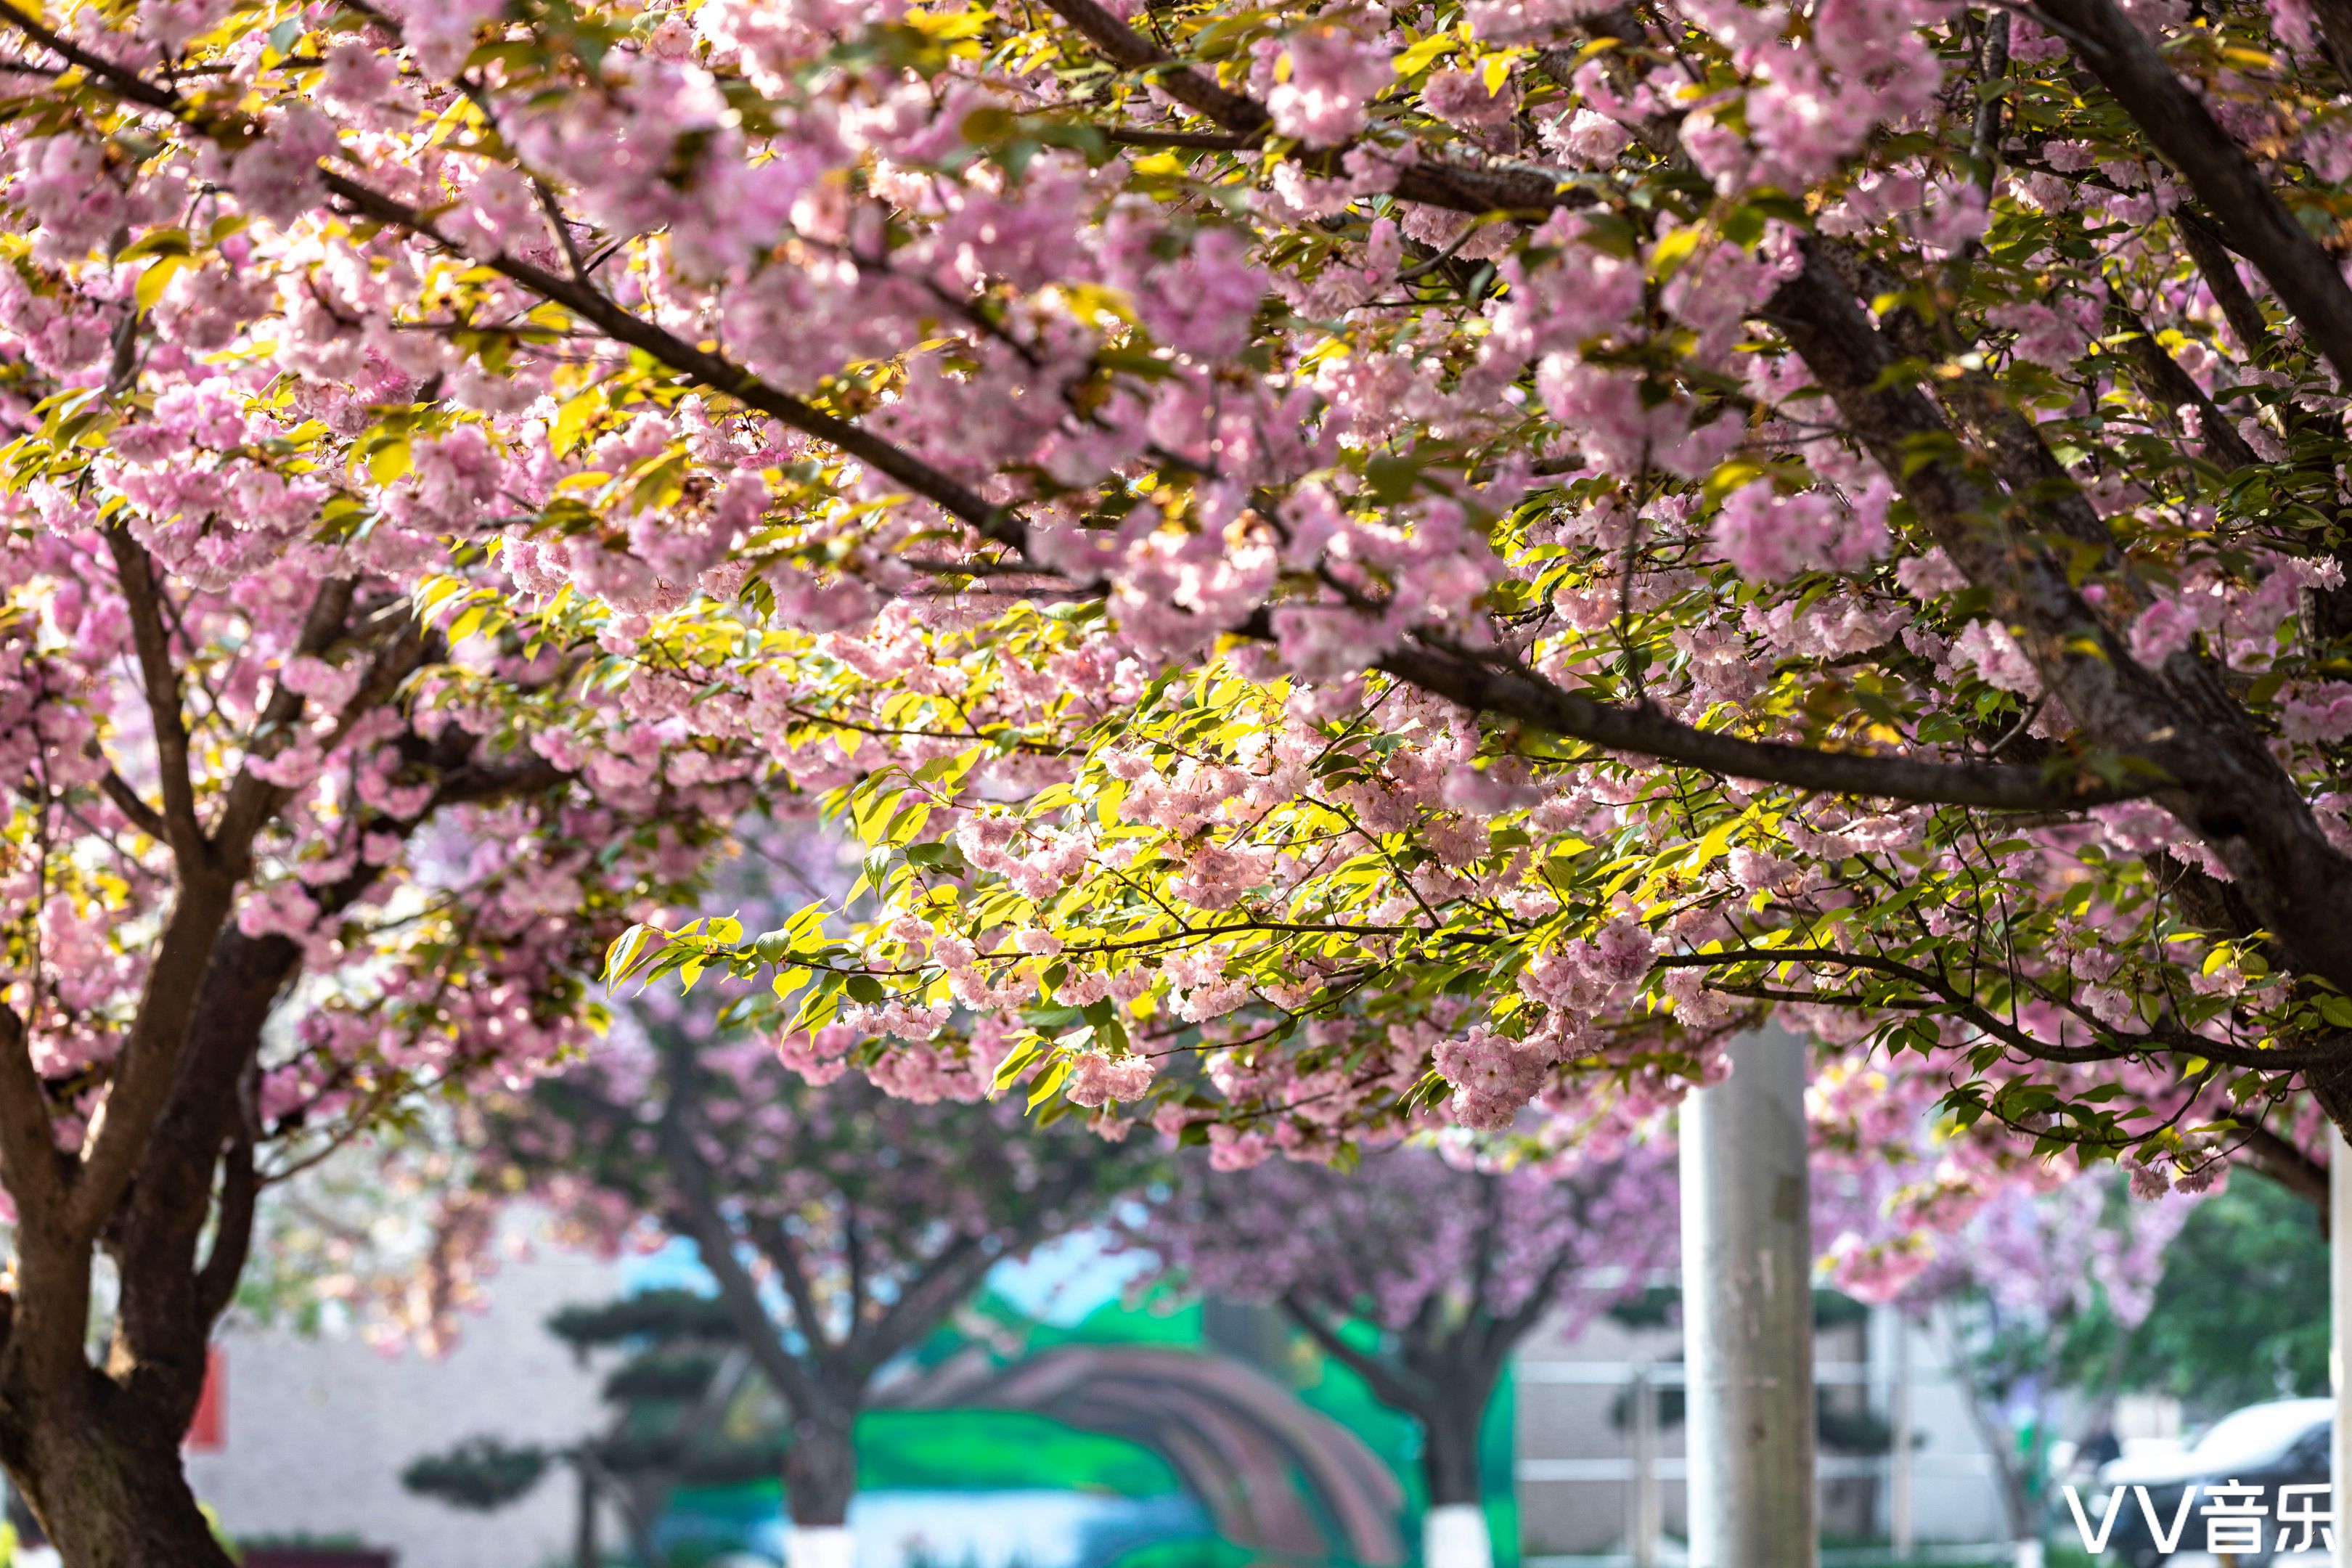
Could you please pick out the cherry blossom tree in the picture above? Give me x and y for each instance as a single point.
(2011, 1262)
(1452, 1265)
(1492, 542)
(1353, 566)
(276, 866)
(842, 1226)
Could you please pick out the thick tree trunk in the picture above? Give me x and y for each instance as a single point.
(1453, 1531)
(821, 1469)
(96, 1452)
(2332, 1088)
(820, 1478)
(107, 1484)
(1449, 1455)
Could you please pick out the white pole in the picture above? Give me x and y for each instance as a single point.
(2339, 1316)
(1898, 1485)
(1748, 1312)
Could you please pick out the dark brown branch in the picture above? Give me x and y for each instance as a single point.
(2212, 768)
(697, 1215)
(1130, 50)
(2289, 1166)
(1504, 1333)
(1509, 693)
(2215, 265)
(1198, 140)
(1979, 405)
(2162, 379)
(29, 1158)
(708, 367)
(578, 296)
(785, 1257)
(476, 785)
(232, 1230)
(250, 803)
(2176, 120)
(1992, 65)
(1450, 185)
(927, 1297)
(2160, 1039)
(560, 227)
(159, 680)
(126, 801)
(122, 82)
(1514, 694)
(2336, 21)
(148, 1067)
(1390, 1384)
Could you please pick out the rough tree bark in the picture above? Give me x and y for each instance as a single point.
(101, 1472)
(821, 1467)
(94, 1446)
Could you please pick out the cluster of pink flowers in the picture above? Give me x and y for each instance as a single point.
(1086, 550)
(1316, 82)
(1771, 537)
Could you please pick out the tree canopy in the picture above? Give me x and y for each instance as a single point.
(1352, 567)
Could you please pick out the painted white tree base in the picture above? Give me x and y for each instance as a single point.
(1455, 1536)
(820, 1546)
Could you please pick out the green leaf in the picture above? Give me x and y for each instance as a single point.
(153, 281)
(1009, 1071)
(1049, 1081)
(156, 242)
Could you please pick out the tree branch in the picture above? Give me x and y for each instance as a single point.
(119, 80)
(1450, 185)
(785, 1257)
(232, 1230)
(159, 680)
(2213, 769)
(250, 803)
(930, 1295)
(1390, 1383)
(709, 368)
(1508, 693)
(147, 1065)
(29, 1158)
(2289, 1166)
(698, 1217)
(2120, 1048)
(126, 801)
(1514, 693)
(2211, 256)
(2176, 120)
(2162, 379)
(1504, 1333)
(1197, 140)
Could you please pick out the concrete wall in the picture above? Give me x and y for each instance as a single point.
(1955, 1489)
(318, 1429)
(1573, 1448)
(1572, 1441)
